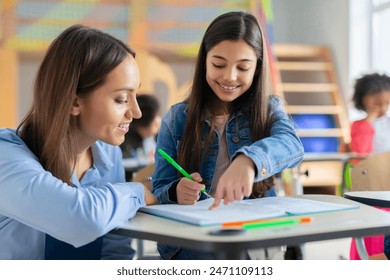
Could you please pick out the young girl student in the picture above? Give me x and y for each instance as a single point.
(230, 133)
(371, 135)
(61, 172)
(371, 95)
(140, 141)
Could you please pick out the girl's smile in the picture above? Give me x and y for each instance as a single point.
(228, 88)
(230, 68)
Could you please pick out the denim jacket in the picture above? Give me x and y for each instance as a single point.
(282, 149)
(271, 155)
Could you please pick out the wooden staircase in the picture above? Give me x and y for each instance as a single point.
(309, 85)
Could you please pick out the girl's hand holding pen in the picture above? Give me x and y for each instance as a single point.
(236, 183)
(188, 191)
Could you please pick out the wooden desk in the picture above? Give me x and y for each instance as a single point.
(360, 222)
(322, 158)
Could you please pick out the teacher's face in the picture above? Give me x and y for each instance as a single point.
(107, 112)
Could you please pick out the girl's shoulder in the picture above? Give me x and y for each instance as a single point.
(178, 110)
(179, 107)
(275, 103)
(274, 100)
(175, 118)
(361, 125)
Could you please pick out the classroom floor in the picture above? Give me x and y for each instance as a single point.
(337, 249)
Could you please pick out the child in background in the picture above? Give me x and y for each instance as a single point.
(371, 135)
(230, 133)
(140, 141)
(62, 182)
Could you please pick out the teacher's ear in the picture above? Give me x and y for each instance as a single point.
(75, 111)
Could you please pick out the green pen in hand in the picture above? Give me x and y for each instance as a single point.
(179, 168)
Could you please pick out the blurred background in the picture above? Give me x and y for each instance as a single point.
(317, 50)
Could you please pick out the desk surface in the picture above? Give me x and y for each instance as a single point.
(372, 198)
(362, 221)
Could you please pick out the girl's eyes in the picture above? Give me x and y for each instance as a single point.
(222, 66)
(218, 66)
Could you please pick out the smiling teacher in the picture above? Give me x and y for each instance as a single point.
(62, 183)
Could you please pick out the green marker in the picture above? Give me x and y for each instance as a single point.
(179, 168)
(272, 223)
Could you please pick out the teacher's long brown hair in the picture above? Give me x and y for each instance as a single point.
(76, 63)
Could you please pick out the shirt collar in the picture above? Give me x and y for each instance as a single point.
(102, 163)
(101, 160)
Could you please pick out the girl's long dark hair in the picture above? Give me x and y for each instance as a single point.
(76, 63)
(202, 101)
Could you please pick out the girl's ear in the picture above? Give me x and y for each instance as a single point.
(75, 111)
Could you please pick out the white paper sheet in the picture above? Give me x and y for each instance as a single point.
(246, 210)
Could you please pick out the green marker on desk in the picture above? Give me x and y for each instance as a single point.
(179, 168)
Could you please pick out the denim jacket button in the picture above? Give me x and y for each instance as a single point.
(236, 139)
(263, 172)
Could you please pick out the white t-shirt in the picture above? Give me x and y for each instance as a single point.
(381, 141)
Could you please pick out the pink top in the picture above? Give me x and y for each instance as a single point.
(362, 135)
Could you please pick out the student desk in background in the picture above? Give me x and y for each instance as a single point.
(135, 164)
(344, 158)
(360, 222)
(132, 165)
(372, 198)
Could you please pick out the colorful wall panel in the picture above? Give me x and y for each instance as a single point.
(172, 26)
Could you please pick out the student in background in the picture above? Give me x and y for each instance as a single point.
(61, 171)
(371, 135)
(230, 133)
(140, 141)
(371, 95)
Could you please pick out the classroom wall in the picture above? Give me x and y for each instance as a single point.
(316, 22)
(298, 21)
(27, 71)
(8, 99)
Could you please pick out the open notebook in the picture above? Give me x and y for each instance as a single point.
(246, 210)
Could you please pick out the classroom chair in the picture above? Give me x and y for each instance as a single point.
(371, 173)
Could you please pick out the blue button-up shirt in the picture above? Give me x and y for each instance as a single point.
(34, 202)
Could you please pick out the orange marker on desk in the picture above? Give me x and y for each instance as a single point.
(256, 224)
